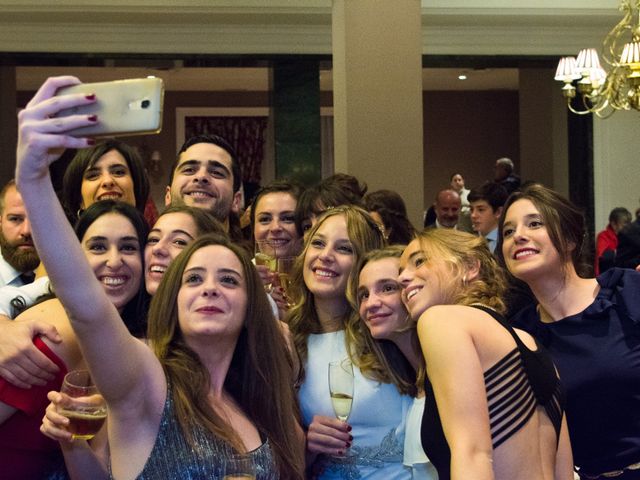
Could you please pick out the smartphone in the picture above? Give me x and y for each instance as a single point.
(123, 107)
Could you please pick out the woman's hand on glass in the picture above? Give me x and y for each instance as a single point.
(281, 300)
(328, 435)
(266, 275)
(54, 424)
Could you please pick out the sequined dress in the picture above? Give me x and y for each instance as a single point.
(172, 458)
(377, 416)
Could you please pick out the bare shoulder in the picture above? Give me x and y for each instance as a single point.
(445, 321)
(45, 311)
(454, 315)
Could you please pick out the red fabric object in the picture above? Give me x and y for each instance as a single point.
(24, 451)
(607, 239)
(150, 212)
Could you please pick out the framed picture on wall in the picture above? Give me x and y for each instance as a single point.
(188, 117)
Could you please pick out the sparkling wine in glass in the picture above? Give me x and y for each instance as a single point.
(341, 387)
(86, 409)
(265, 254)
(284, 265)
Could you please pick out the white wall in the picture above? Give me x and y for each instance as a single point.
(616, 151)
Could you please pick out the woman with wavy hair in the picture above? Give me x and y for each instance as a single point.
(493, 401)
(385, 335)
(370, 444)
(217, 381)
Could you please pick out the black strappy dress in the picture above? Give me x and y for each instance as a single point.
(516, 385)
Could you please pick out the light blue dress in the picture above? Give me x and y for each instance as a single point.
(377, 416)
(414, 457)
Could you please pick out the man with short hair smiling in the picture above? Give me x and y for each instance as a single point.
(19, 256)
(486, 207)
(206, 175)
(447, 207)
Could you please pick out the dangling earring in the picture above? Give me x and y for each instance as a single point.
(464, 280)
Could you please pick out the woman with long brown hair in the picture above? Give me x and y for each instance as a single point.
(591, 327)
(388, 334)
(217, 381)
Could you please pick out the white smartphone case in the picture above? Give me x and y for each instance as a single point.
(123, 107)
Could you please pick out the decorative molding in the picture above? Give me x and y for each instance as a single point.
(288, 27)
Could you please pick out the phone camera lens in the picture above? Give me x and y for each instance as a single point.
(145, 103)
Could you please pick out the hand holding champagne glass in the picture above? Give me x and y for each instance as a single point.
(284, 267)
(86, 409)
(266, 255)
(341, 387)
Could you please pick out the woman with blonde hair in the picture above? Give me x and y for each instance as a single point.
(494, 405)
(370, 444)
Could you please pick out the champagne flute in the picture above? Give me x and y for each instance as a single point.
(86, 409)
(239, 467)
(341, 387)
(265, 254)
(284, 267)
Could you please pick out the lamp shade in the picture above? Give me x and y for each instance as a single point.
(566, 71)
(630, 54)
(598, 77)
(588, 61)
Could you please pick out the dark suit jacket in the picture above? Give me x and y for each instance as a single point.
(628, 252)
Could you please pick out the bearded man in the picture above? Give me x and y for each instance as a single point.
(19, 257)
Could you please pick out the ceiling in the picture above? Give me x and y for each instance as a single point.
(179, 78)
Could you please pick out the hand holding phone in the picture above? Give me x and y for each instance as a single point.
(123, 107)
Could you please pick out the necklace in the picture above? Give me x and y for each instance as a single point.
(544, 315)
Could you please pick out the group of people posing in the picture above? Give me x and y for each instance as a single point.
(202, 355)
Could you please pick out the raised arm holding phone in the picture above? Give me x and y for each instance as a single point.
(198, 323)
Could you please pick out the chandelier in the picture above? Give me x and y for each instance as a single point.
(617, 88)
